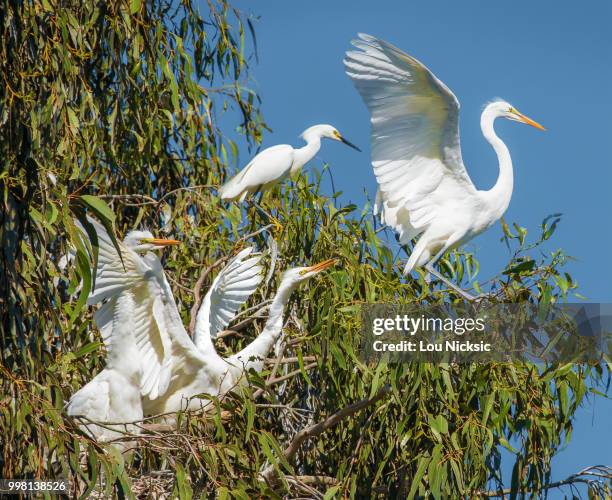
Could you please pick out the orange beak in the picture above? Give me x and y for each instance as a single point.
(321, 266)
(161, 242)
(525, 119)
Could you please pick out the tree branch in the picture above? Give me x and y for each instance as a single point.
(269, 474)
(593, 476)
(197, 302)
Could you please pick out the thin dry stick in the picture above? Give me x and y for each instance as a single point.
(276, 380)
(244, 323)
(281, 353)
(146, 200)
(272, 361)
(196, 292)
(584, 476)
(269, 474)
(318, 480)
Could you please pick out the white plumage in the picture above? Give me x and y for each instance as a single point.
(424, 188)
(135, 364)
(153, 366)
(113, 396)
(276, 163)
(232, 287)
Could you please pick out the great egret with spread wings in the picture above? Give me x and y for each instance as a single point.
(276, 163)
(153, 365)
(208, 372)
(114, 395)
(424, 188)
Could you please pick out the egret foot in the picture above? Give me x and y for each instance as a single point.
(450, 284)
(278, 227)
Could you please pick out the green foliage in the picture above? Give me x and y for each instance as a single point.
(113, 109)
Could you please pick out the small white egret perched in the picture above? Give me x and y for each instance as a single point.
(276, 163)
(424, 188)
(153, 365)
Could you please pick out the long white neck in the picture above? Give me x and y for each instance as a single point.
(498, 197)
(303, 155)
(253, 355)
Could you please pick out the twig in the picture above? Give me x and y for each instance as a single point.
(599, 471)
(245, 322)
(196, 292)
(177, 284)
(261, 390)
(147, 200)
(269, 473)
(319, 480)
(283, 407)
(185, 188)
(271, 361)
(289, 375)
(255, 233)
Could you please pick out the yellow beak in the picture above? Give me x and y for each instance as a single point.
(160, 242)
(321, 266)
(525, 119)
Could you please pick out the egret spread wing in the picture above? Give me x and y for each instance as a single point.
(416, 152)
(104, 320)
(236, 282)
(185, 358)
(137, 276)
(113, 273)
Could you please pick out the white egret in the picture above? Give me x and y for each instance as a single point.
(208, 372)
(424, 188)
(276, 163)
(114, 395)
(160, 367)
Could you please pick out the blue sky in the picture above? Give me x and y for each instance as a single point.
(551, 60)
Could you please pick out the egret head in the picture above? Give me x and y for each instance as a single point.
(298, 274)
(327, 131)
(504, 109)
(143, 241)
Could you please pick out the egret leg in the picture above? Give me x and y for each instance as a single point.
(255, 201)
(450, 284)
(429, 267)
(278, 227)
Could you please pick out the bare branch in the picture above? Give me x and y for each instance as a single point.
(272, 361)
(594, 476)
(197, 289)
(276, 380)
(269, 473)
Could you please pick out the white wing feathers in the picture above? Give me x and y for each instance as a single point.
(236, 282)
(114, 394)
(269, 166)
(153, 344)
(416, 153)
(131, 274)
(104, 320)
(113, 274)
